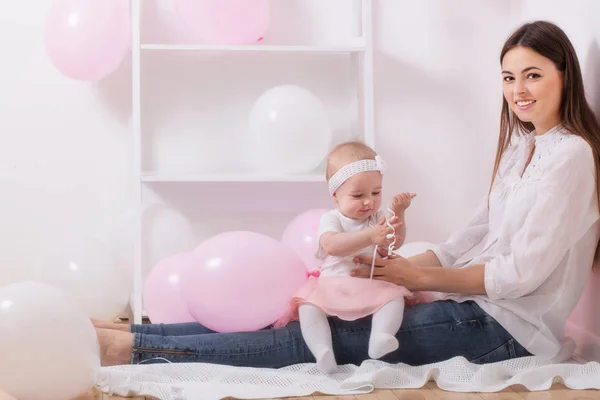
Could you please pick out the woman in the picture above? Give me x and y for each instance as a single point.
(513, 296)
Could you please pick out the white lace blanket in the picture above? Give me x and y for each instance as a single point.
(210, 381)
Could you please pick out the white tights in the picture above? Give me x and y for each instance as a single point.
(317, 334)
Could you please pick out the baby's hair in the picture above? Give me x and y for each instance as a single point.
(346, 153)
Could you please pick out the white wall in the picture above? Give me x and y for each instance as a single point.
(65, 158)
(438, 92)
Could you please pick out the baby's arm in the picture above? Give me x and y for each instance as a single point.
(341, 244)
(401, 230)
(399, 204)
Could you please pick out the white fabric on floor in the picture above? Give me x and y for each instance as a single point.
(210, 381)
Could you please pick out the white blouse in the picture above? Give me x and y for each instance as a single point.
(542, 227)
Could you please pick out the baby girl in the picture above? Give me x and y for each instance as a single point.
(355, 227)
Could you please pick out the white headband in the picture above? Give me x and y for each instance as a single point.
(349, 170)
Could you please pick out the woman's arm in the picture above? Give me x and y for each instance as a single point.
(468, 280)
(402, 272)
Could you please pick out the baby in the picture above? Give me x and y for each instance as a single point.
(355, 227)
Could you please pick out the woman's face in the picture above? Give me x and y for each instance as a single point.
(532, 87)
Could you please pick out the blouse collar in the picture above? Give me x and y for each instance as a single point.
(546, 137)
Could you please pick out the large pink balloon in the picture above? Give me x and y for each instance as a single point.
(242, 281)
(88, 39)
(225, 22)
(301, 235)
(162, 291)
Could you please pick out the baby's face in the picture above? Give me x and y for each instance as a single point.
(360, 196)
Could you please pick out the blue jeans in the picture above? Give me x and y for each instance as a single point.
(430, 333)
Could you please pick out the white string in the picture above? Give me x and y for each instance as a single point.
(389, 236)
(373, 263)
(393, 234)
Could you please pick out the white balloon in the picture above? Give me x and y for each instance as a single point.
(48, 346)
(288, 132)
(414, 248)
(88, 271)
(166, 231)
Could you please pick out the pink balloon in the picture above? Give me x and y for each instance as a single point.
(242, 281)
(88, 39)
(301, 235)
(226, 22)
(162, 291)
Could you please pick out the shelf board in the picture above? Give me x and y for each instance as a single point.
(165, 178)
(323, 49)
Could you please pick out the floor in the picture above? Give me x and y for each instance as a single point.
(429, 392)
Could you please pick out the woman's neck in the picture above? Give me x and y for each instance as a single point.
(545, 126)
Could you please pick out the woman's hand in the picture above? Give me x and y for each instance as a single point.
(394, 269)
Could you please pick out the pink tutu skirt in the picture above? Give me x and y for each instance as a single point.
(346, 297)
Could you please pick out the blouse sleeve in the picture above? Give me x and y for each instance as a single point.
(463, 240)
(564, 210)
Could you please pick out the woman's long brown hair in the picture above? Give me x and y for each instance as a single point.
(576, 115)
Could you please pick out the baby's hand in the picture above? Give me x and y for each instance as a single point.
(402, 201)
(381, 234)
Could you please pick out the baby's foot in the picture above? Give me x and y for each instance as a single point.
(381, 344)
(326, 361)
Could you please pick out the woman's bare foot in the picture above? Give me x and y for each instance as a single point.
(115, 347)
(110, 325)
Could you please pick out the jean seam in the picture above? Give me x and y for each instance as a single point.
(138, 345)
(508, 344)
(135, 356)
(512, 352)
(483, 318)
(266, 349)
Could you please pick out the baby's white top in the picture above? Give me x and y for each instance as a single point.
(335, 221)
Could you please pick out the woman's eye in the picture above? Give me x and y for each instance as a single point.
(534, 75)
(508, 78)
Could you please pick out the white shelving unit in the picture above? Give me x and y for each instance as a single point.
(259, 48)
(151, 177)
(360, 48)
